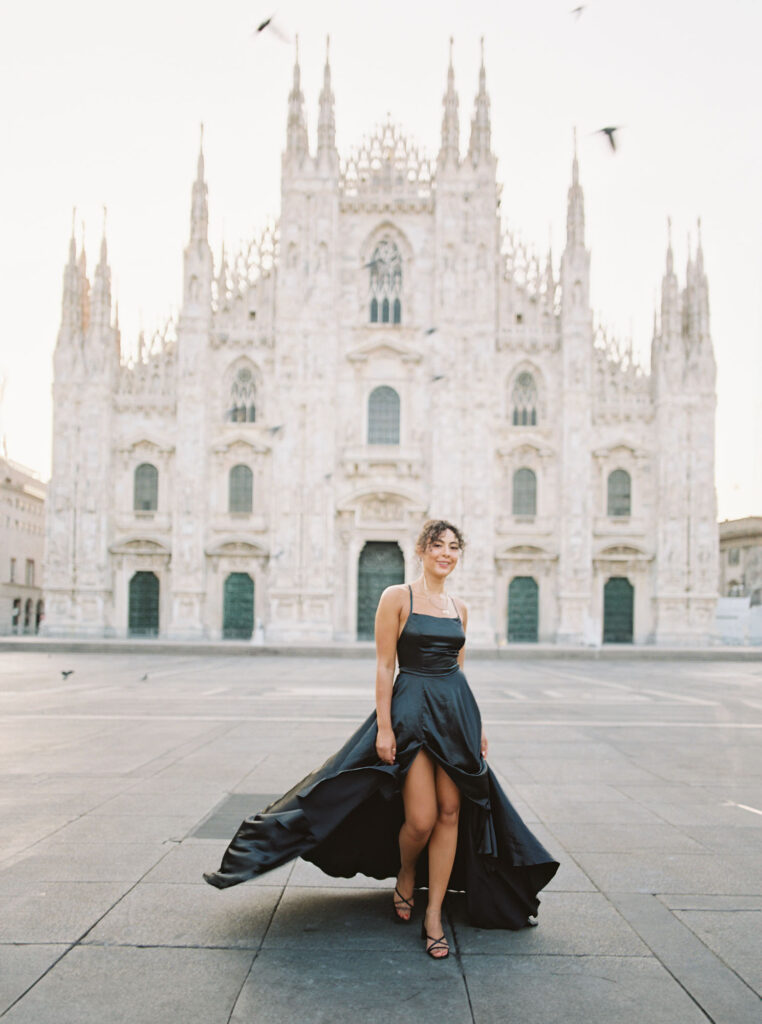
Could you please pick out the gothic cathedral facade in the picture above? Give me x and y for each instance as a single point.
(384, 354)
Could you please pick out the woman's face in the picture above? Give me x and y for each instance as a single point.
(441, 556)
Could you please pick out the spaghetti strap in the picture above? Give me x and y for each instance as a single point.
(411, 598)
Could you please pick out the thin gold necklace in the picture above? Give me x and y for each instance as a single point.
(430, 599)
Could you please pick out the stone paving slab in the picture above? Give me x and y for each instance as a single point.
(589, 990)
(710, 901)
(189, 915)
(96, 985)
(673, 872)
(348, 987)
(22, 966)
(594, 838)
(734, 935)
(54, 861)
(569, 924)
(349, 919)
(716, 987)
(56, 911)
(127, 828)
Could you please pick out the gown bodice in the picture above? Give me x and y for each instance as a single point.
(429, 644)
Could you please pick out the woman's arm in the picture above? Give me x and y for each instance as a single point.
(463, 612)
(387, 631)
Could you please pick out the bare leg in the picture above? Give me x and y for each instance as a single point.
(420, 799)
(442, 844)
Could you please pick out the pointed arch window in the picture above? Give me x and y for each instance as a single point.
(524, 492)
(384, 416)
(619, 493)
(524, 401)
(146, 488)
(386, 284)
(240, 489)
(242, 400)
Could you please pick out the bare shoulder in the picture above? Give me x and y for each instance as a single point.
(394, 597)
(461, 606)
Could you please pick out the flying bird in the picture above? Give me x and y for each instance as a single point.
(577, 11)
(430, 330)
(609, 133)
(439, 376)
(277, 31)
(144, 677)
(66, 672)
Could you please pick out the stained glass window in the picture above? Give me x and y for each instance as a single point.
(524, 493)
(384, 416)
(242, 404)
(146, 488)
(524, 401)
(619, 493)
(240, 488)
(386, 283)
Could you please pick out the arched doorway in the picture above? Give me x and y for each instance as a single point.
(143, 615)
(39, 616)
(381, 565)
(618, 603)
(238, 607)
(523, 610)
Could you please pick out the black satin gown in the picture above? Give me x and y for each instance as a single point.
(345, 816)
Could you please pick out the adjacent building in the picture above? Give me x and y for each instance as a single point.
(22, 539)
(741, 558)
(386, 352)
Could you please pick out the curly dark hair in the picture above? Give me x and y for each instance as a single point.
(433, 529)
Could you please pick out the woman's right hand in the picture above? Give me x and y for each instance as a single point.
(386, 746)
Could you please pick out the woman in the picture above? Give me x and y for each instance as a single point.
(413, 775)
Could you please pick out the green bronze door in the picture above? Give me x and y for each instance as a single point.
(381, 565)
(618, 595)
(238, 610)
(143, 613)
(523, 614)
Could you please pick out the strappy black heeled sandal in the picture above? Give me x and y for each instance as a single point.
(397, 905)
(440, 943)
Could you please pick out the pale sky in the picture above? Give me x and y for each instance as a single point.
(103, 104)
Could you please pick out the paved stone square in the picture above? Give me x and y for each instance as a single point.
(644, 778)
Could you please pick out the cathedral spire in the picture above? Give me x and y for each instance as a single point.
(297, 145)
(480, 148)
(71, 298)
(449, 152)
(575, 212)
(73, 239)
(222, 280)
(199, 202)
(670, 302)
(702, 288)
(327, 118)
(101, 298)
(550, 281)
(84, 284)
